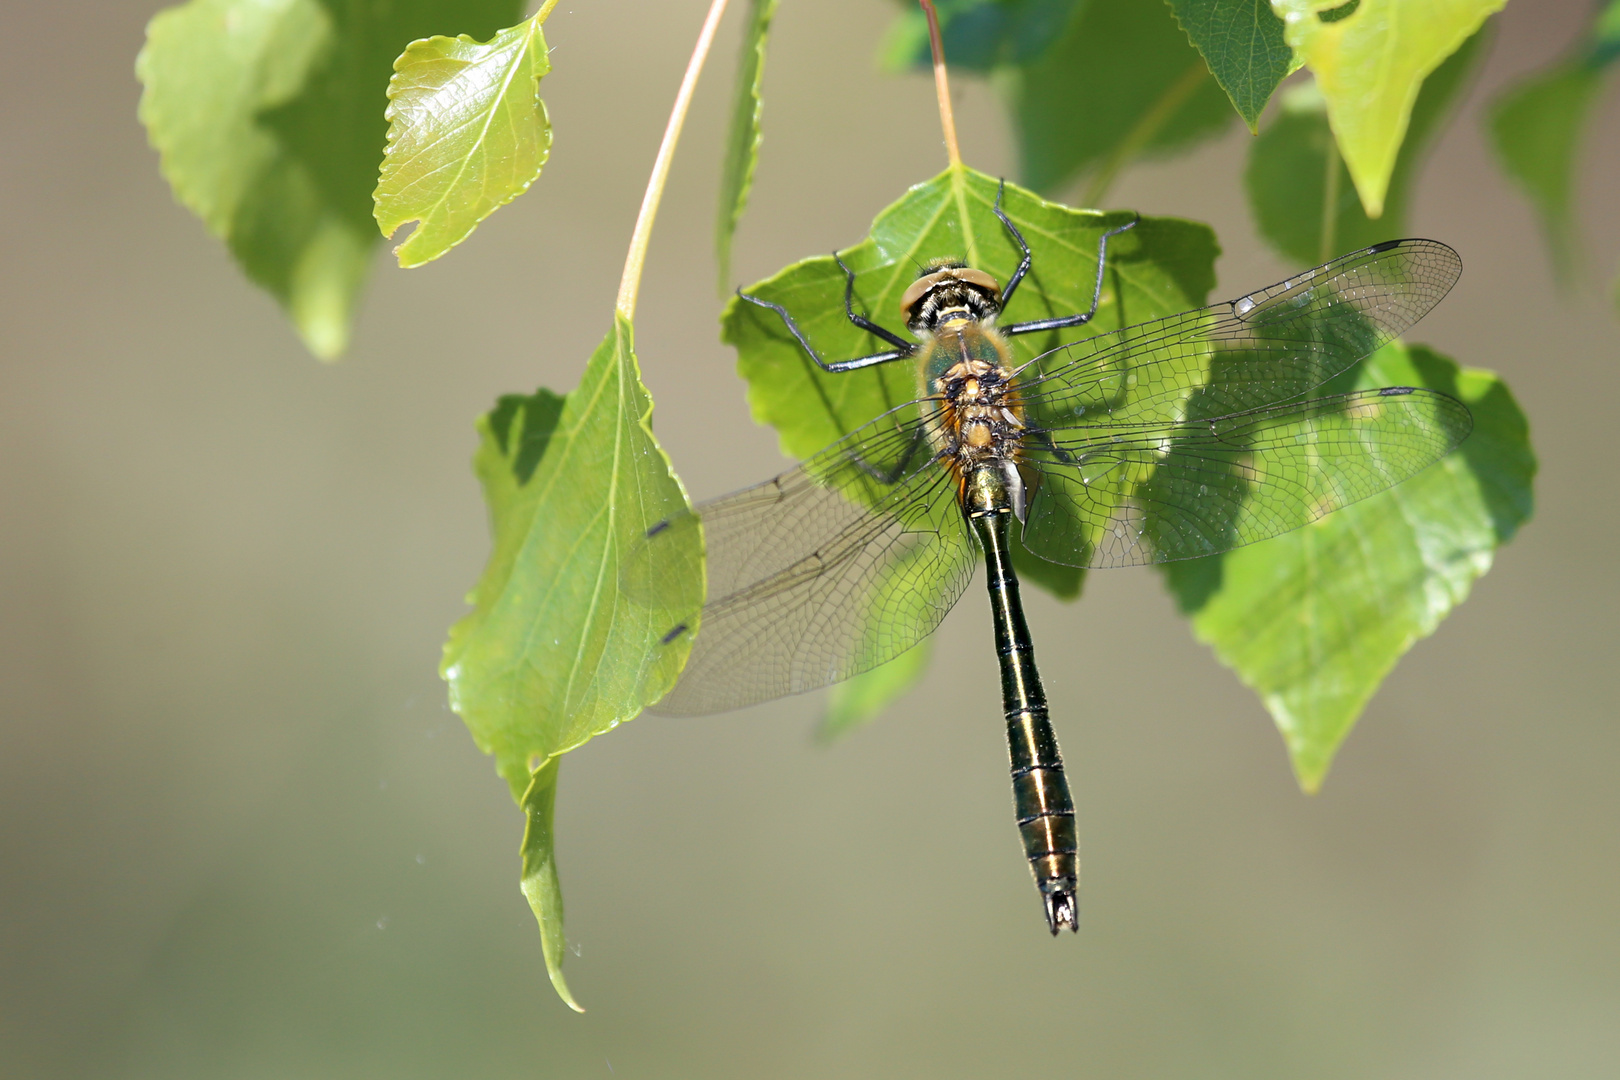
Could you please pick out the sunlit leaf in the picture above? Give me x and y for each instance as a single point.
(742, 145)
(1370, 57)
(1294, 167)
(467, 134)
(1536, 127)
(268, 116)
(1242, 42)
(540, 884)
(1315, 619)
(554, 651)
(1121, 83)
(978, 35)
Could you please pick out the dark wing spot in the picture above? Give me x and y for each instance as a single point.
(673, 634)
(658, 528)
(1395, 391)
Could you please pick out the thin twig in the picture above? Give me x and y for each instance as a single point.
(545, 9)
(630, 283)
(942, 85)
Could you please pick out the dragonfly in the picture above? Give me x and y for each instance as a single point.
(1177, 438)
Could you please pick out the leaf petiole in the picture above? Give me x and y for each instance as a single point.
(942, 86)
(636, 258)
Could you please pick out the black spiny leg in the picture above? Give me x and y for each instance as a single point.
(902, 347)
(861, 320)
(1023, 268)
(1018, 238)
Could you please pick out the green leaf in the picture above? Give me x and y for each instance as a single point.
(853, 702)
(1370, 57)
(978, 35)
(540, 884)
(1122, 82)
(555, 651)
(742, 145)
(268, 116)
(1160, 267)
(1242, 42)
(1536, 127)
(467, 134)
(1314, 619)
(1294, 168)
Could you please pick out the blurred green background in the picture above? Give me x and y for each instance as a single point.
(242, 837)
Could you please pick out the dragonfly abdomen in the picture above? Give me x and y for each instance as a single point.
(1041, 801)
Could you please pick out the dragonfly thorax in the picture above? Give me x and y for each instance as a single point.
(967, 369)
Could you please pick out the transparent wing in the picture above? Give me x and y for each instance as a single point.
(1271, 346)
(1123, 494)
(829, 570)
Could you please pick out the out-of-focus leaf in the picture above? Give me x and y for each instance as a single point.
(467, 134)
(1160, 267)
(853, 702)
(1536, 127)
(554, 651)
(540, 883)
(1370, 57)
(1121, 83)
(1313, 620)
(268, 116)
(978, 35)
(1242, 42)
(1294, 167)
(742, 145)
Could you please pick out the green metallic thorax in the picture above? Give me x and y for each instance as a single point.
(958, 340)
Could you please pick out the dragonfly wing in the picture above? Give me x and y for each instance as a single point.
(829, 570)
(1118, 495)
(1271, 346)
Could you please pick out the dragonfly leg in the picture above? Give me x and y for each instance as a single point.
(833, 366)
(892, 475)
(1096, 291)
(1045, 439)
(861, 320)
(1018, 238)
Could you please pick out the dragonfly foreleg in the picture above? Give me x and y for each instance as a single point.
(836, 365)
(1018, 238)
(861, 320)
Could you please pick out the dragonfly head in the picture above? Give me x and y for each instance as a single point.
(946, 288)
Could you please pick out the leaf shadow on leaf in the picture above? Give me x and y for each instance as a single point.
(1313, 620)
(538, 413)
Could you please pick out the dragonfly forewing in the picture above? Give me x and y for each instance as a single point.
(1271, 346)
